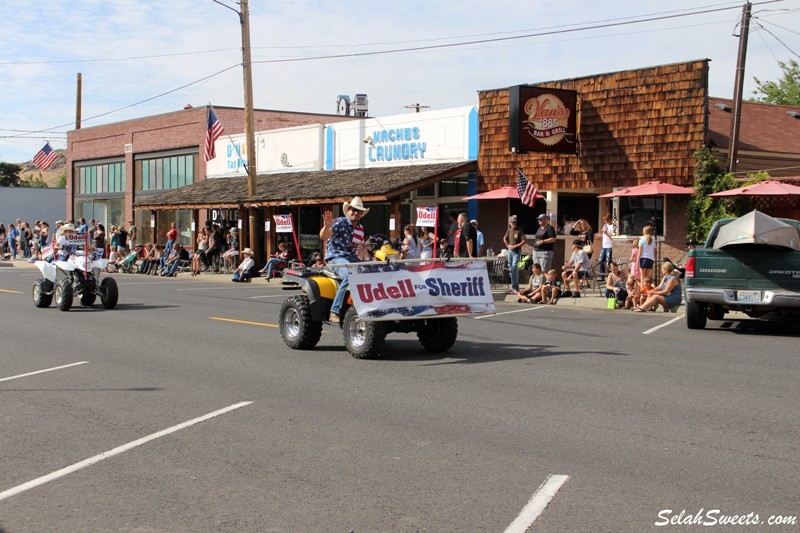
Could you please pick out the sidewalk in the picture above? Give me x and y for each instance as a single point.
(590, 299)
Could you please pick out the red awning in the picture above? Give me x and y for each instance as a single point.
(763, 188)
(651, 188)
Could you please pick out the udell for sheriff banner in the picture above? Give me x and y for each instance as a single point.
(420, 290)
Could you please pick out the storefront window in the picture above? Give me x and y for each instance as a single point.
(454, 187)
(636, 212)
(161, 173)
(183, 221)
(101, 178)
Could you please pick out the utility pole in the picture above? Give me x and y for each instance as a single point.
(78, 102)
(733, 142)
(417, 106)
(248, 122)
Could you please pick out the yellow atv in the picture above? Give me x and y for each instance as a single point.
(302, 317)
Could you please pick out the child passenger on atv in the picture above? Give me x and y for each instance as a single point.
(345, 244)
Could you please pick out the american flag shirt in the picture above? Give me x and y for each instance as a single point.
(344, 240)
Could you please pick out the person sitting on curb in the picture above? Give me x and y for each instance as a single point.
(644, 291)
(576, 269)
(533, 292)
(242, 273)
(668, 294)
(632, 287)
(551, 291)
(616, 285)
(277, 262)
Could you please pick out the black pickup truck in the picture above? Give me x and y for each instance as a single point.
(756, 272)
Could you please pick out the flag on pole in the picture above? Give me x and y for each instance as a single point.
(213, 132)
(44, 157)
(526, 189)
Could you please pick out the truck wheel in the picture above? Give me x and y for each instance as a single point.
(716, 313)
(298, 330)
(439, 334)
(42, 293)
(364, 340)
(109, 293)
(695, 315)
(63, 294)
(88, 299)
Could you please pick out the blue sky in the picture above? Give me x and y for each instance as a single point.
(132, 50)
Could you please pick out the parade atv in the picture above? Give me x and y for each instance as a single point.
(302, 317)
(78, 276)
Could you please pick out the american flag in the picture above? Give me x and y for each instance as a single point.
(358, 234)
(526, 189)
(213, 132)
(45, 157)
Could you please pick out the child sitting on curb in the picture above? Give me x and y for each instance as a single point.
(632, 287)
(552, 288)
(533, 292)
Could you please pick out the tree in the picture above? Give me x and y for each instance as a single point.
(785, 91)
(33, 181)
(709, 178)
(61, 182)
(9, 174)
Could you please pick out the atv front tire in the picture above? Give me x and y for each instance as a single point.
(439, 334)
(298, 330)
(63, 294)
(88, 299)
(42, 293)
(109, 293)
(364, 340)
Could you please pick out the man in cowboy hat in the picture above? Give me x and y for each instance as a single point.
(344, 238)
(65, 247)
(242, 273)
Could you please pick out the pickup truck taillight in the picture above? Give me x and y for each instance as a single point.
(690, 267)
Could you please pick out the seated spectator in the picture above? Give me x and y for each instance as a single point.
(215, 244)
(148, 251)
(278, 261)
(243, 273)
(178, 255)
(680, 264)
(444, 250)
(632, 287)
(533, 292)
(155, 262)
(198, 259)
(644, 291)
(230, 255)
(551, 291)
(616, 285)
(576, 269)
(668, 294)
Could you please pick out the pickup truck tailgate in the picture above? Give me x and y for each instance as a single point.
(747, 267)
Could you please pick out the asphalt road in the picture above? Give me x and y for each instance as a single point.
(671, 419)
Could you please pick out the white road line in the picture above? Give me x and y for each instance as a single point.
(43, 371)
(537, 504)
(270, 296)
(111, 453)
(509, 312)
(665, 324)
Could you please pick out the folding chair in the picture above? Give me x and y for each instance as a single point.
(499, 271)
(597, 279)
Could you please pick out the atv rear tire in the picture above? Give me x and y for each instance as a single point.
(439, 334)
(364, 340)
(63, 294)
(42, 293)
(109, 293)
(88, 299)
(298, 330)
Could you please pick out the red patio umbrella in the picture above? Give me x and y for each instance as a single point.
(503, 193)
(651, 188)
(763, 188)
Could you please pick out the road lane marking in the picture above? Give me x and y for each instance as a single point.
(509, 312)
(537, 504)
(10, 292)
(665, 324)
(264, 324)
(43, 371)
(116, 451)
(268, 296)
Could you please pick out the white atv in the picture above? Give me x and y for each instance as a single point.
(78, 276)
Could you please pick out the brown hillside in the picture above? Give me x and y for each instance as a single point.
(49, 176)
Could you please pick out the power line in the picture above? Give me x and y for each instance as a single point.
(776, 38)
(511, 38)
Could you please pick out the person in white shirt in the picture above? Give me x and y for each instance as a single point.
(575, 269)
(242, 273)
(607, 232)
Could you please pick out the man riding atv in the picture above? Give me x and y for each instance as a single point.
(345, 244)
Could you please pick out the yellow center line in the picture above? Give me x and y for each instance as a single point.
(11, 292)
(243, 322)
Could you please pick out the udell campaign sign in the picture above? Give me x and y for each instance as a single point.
(420, 290)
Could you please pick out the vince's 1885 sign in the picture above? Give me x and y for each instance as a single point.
(542, 120)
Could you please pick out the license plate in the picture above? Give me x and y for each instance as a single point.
(748, 296)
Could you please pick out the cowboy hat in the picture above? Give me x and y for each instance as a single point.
(356, 204)
(247, 251)
(67, 227)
